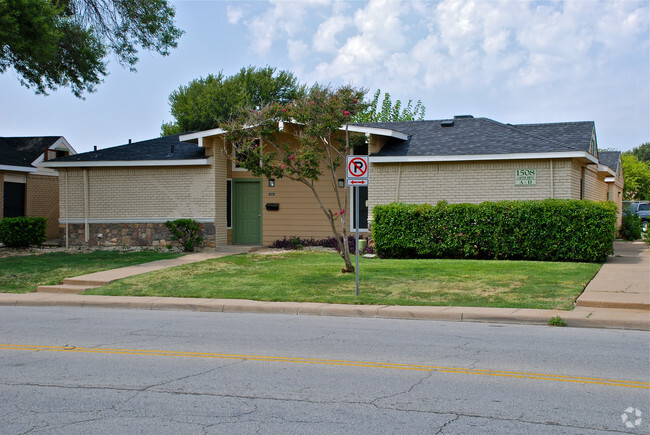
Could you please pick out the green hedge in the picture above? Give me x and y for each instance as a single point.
(548, 230)
(22, 232)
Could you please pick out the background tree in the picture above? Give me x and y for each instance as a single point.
(54, 43)
(207, 102)
(642, 152)
(389, 112)
(636, 175)
(321, 112)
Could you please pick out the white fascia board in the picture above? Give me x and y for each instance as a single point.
(17, 168)
(610, 179)
(128, 163)
(606, 169)
(479, 157)
(377, 131)
(201, 134)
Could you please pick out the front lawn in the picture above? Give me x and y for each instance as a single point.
(316, 277)
(23, 273)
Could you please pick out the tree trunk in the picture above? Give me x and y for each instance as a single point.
(345, 253)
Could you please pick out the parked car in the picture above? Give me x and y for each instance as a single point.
(642, 210)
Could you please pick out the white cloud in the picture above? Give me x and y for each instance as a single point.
(234, 14)
(325, 37)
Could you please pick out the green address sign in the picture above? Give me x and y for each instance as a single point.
(525, 177)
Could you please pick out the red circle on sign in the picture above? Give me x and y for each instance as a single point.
(362, 167)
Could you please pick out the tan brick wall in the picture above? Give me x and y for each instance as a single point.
(42, 199)
(139, 193)
(220, 170)
(467, 182)
(595, 186)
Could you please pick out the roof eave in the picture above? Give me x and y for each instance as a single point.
(479, 157)
(377, 131)
(127, 163)
(17, 168)
(606, 169)
(353, 128)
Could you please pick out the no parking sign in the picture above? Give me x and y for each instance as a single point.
(357, 170)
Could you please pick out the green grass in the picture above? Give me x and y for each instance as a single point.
(316, 277)
(23, 273)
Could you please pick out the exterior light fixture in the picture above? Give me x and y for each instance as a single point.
(271, 182)
(341, 182)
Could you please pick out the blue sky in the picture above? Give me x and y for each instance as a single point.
(511, 61)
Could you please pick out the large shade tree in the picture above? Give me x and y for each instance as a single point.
(205, 103)
(314, 150)
(65, 43)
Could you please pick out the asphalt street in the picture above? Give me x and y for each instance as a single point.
(71, 370)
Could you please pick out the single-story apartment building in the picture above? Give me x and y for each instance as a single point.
(26, 187)
(123, 195)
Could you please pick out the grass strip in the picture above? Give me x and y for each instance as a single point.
(316, 277)
(24, 273)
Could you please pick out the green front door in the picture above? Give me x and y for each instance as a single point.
(247, 212)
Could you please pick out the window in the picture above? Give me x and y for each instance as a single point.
(363, 209)
(14, 199)
(240, 155)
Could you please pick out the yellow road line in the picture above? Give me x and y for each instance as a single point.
(370, 364)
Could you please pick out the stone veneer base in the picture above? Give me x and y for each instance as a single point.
(128, 234)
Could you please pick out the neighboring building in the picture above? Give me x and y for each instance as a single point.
(26, 187)
(123, 195)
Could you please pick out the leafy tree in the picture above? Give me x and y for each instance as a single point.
(54, 43)
(207, 102)
(636, 175)
(389, 112)
(642, 152)
(319, 147)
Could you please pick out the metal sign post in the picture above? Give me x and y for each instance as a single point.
(356, 176)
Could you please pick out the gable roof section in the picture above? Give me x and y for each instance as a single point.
(152, 152)
(468, 136)
(610, 159)
(21, 152)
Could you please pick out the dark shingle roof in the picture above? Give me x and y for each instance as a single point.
(610, 159)
(152, 149)
(473, 136)
(22, 151)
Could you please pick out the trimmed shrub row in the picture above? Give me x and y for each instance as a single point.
(548, 230)
(23, 232)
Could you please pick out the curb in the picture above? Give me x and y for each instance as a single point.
(581, 317)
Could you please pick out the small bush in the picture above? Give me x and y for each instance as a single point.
(631, 227)
(185, 232)
(23, 232)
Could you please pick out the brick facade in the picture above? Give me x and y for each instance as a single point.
(466, 182)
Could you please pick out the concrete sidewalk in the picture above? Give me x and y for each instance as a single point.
(618, 297)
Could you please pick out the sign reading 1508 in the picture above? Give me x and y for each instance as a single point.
(357, 170)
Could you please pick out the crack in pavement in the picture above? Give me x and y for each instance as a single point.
(373, 403)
